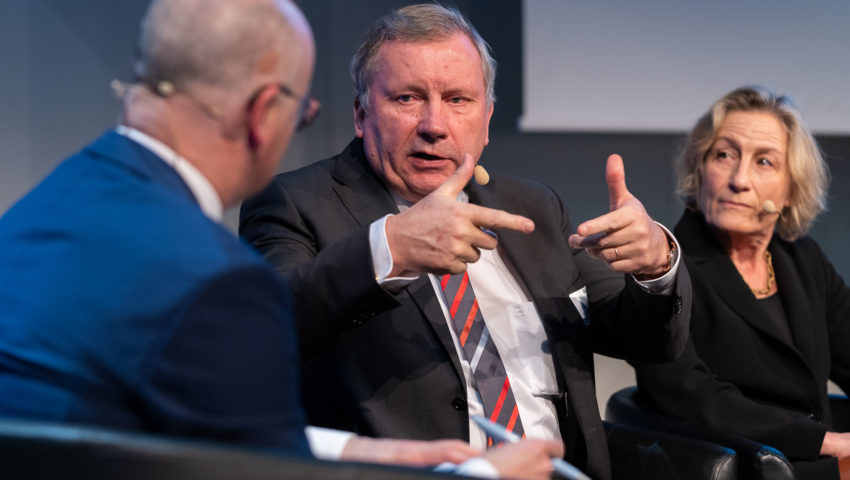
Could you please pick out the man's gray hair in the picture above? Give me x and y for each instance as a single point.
(218, 43)
(416, 23)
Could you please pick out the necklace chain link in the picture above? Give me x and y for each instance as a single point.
(771, 276)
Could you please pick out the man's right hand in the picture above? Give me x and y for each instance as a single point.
(528, 459)
(440, 235)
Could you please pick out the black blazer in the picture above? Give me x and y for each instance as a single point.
(384, 364)
(737, 373)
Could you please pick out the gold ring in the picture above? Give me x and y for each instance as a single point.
(616, 253)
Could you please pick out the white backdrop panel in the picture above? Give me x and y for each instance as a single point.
(656, 65)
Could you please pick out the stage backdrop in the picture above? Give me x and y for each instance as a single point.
(650, 66)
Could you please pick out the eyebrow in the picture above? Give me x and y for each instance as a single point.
(736, 145)
(733, 143)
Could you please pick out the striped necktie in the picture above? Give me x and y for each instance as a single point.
(488, 372)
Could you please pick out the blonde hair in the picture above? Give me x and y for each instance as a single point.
(807, 168)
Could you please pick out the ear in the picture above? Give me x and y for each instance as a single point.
(487, 124)
(359, 117)
(260, 113)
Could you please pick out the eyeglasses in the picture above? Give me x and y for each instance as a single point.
(307, 111)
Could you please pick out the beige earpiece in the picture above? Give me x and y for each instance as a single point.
(481, 175)
(769, 207)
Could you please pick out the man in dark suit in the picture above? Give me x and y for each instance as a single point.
(365, 237)
(126, 304)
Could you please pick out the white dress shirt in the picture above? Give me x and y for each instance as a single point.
(201, 188)
(514, 325)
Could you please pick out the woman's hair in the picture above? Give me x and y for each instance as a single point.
(808, 171)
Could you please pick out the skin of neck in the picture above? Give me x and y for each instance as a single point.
(747, 253)
(212, 145)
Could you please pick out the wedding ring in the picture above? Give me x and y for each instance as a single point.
(616, 253)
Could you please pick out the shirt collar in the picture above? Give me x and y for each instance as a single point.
(201, 188)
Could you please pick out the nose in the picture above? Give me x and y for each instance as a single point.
(432, 125)
(739, 179)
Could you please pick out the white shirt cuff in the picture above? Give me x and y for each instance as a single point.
(325, 443)
(663, 285)
(382, 257)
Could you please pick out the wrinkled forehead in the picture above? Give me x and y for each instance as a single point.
(449, 57)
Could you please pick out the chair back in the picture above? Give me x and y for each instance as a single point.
(32, 449)
(756, 460)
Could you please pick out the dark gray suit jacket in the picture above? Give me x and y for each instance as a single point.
(384, 364)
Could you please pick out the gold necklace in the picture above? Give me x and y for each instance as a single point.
(771, 277)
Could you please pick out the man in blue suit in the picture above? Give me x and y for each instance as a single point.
(125, 303)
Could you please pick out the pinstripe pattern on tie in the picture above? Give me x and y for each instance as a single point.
(488, 371)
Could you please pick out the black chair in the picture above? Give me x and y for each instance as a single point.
(755, 460)
(645, 454)
(31, 449)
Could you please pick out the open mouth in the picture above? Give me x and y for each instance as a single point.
(426, 156)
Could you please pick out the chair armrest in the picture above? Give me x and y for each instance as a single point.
(639, 453)
(756, 460)
(839, 405)
(35, 449)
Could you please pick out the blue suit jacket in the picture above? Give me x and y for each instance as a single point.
(122, 305)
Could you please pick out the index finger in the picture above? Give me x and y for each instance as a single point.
(455, 183)
(609, 222)
(493, 218)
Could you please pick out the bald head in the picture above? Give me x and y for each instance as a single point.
(230, 78)
(219, 43)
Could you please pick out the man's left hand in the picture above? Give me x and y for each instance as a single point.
(413, 453)
(626, 238)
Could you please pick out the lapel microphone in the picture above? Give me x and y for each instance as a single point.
(481, 175)
(769, 207)
(166, 89)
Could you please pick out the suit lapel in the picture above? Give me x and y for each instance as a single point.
(366, 198)
(795, 301)
(540, 269)
(423, 294)
(361, 192)
(710, 259)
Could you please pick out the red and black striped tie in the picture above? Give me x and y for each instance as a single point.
(488, 372)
